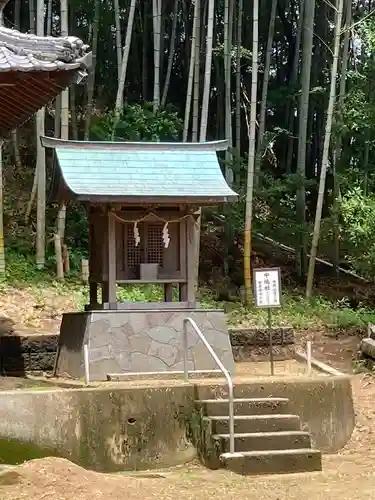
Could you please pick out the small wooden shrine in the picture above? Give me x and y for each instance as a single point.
(142, 201)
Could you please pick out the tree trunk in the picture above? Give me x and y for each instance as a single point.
(325, 159)
(64, 124)
(228, 36)
(263, 104)
(308, 28)
(156, 18)
(207, 73)
(118, 38)
(191, 73)
(73, 112)
(49, 18)
(204, 113)
(337, 153)
(17, 15)
(17, 21)
(197, 65)
(144, 52)
(91, 77)
(124, 65)
(238, 76)
(251, 158)
(40, 165)
(291, 108)
(32, 197)
(32, 16)
(2, 246)
(171, 54)
(17, 155)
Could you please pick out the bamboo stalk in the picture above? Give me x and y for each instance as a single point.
(238, 76)
(191, 74)
(59, 259)
(251, 159)
(171, 54)
(2, 249)
(207, 75)
(325, 159)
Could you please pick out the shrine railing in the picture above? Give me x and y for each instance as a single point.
(220, 365)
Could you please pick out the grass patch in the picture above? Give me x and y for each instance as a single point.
(297, 312)
(46, 293)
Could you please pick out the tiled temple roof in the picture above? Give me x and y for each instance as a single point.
(34, 70)
(26, 52)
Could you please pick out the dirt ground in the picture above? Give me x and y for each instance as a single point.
(349, 475)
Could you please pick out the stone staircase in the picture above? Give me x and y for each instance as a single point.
(268, 439)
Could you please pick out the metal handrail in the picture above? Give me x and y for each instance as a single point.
(219, 364)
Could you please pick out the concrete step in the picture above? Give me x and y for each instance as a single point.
(257, 441)
(244, 406)
(255, 423)
(273, 461)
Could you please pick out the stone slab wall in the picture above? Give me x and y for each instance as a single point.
(141, 341)
(20, 354)
(253, 344)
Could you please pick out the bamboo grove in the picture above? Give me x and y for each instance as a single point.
(287, 82)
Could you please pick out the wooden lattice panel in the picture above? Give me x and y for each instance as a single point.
(155, 244)
(134, 253)
(150, 250)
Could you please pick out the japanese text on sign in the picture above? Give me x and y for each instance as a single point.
(267, 287)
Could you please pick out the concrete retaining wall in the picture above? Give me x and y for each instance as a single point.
(110, 429)
(102, 429)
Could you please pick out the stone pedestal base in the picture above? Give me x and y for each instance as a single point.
(140, 341)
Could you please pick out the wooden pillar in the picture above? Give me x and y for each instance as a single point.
(93, 284)
(111, 242)
(93, 294)
(190, 261)
(168, 292)
(182, 287)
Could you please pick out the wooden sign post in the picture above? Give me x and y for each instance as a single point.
(267, 295)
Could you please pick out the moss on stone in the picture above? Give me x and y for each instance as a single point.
(15, 452)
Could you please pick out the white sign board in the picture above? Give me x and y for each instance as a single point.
(267, 287)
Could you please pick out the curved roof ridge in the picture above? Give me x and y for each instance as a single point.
(52, 142)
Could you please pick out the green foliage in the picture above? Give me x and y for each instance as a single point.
(296, 311)
(358, 214)
(300, 313)
(139, 123)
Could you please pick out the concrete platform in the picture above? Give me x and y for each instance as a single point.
(118, 426)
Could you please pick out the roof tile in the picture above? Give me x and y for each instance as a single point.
(26, 52)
